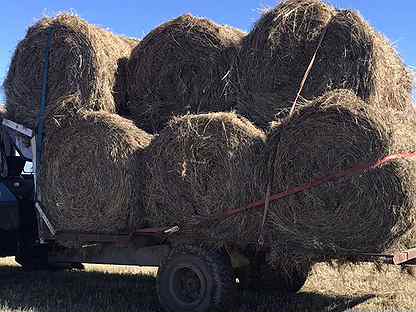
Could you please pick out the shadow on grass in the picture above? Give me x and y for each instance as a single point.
(302, 302)
(75, 291)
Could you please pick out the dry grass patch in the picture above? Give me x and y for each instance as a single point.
(126, 288)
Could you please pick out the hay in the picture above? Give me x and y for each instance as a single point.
(371, 212)
(179, 68)
(198, 166)
(91, 177)
(276, 53)
(121, 83)
(83, 70)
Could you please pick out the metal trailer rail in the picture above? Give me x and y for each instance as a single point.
(158, 236)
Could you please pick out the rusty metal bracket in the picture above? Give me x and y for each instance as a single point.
(405, 257)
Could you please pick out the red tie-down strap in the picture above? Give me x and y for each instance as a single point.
(357, 169)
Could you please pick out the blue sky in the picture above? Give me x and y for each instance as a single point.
(135, 18)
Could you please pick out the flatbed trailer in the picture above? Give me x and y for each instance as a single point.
(192, 276)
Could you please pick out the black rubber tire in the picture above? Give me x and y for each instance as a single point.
(32, 258)
(196, 279)
(280, 281)
(262, 276)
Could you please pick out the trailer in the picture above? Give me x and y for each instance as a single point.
(192, 276)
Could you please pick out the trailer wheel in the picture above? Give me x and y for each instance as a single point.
(196, 279)
(262, 276)
(32, 258)
(280, 281)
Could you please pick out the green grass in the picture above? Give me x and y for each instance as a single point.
(120, 288)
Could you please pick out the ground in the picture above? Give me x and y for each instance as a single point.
(122, 288)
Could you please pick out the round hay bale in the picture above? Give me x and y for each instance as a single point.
(277, 52)
(83, 70)
(199, 166)
(368, 212)
(179, 68)
(92, 174)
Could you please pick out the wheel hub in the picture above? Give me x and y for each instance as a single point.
(189, 285)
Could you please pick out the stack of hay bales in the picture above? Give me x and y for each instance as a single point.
(180, 68)
(277, 52)
(91, 171)
(101, 173)
(368, 212)
(200, 176)
(201, 166)
(83, 71)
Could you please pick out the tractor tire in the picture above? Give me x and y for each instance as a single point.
(196, 279)
(262, 276)
(32, 258)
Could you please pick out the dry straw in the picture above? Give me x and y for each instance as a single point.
(371, 212)
(200, 166)
(180, 67)
(352, 55)
(92, 174)
(83, 70)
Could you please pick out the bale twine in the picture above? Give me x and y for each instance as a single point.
(83, 70)
(91, 177)
(179, 68)
(276, 54)
(199, 166)
(370, 212)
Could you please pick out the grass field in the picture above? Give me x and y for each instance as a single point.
(121, 288)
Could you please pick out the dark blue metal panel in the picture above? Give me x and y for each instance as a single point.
(9, 209)
(6, 196)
